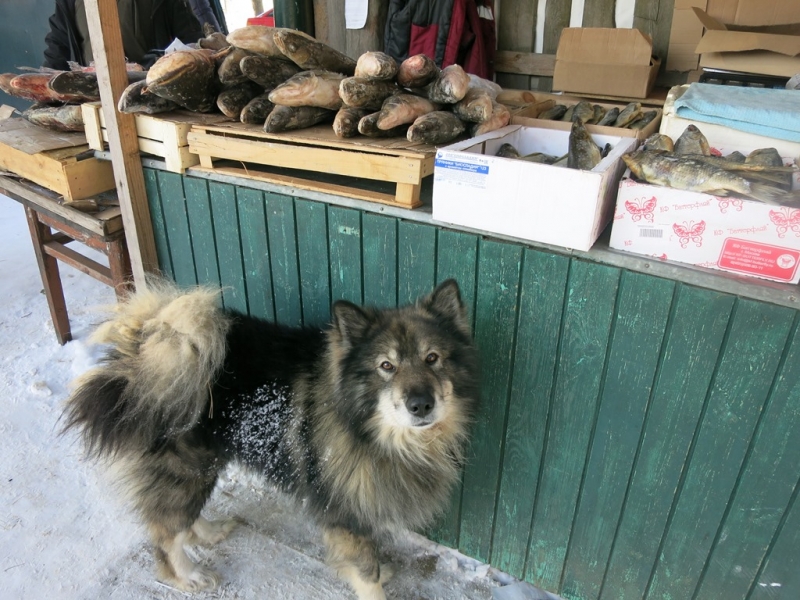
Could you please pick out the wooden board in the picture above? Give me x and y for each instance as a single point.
(690, 352)
(104, 224)
(544, 284)
(755, 344)
(497, 291)
(319, 150)
(31, 139)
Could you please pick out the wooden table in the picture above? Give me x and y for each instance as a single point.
(54, 225)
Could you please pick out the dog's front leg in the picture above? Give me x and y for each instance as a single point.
(356, 561)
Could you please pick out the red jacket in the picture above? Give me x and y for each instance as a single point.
(449, 31)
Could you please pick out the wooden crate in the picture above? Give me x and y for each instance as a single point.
(317, 149)
(162, 135)
(61, 162)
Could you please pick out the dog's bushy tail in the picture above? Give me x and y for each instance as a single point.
(165, 346)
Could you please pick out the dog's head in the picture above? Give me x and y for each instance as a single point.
(407, 373)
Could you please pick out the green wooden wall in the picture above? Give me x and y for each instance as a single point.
(639, 438)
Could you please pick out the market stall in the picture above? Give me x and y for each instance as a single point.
(638, 432)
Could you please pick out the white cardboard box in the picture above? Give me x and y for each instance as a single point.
(542, 203)
(726, 233)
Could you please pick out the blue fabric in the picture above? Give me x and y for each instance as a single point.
(763, 111)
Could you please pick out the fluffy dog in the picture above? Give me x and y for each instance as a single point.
(365, 421)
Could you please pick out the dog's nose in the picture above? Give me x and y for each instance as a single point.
(420, 404)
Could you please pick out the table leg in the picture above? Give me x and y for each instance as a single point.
(51, 279)
(120, 264)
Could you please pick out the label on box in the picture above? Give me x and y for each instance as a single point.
(758, 259)
(463, 173)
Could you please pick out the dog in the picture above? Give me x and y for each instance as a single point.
(365, 421)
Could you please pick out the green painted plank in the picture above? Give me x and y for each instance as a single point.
(591, 295)
(416, 261)
(764, 491)
(255, 252)
(173, 203)
(283, 257)
(691, 351)
(159, 225)
(755, 344)
(344, 238)
(229, 250)
(201, 225)
(643, 308)
(496, 313)
(780, 577)
(379, 260)
(456, 258)
(312, 250)
(544, 282)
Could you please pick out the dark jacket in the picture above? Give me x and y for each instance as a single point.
(209, 11)
(169, 19)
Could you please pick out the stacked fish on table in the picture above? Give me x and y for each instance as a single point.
(284, 79)
(417, 99)
(688, 163)
(631, 116)
(57, 95)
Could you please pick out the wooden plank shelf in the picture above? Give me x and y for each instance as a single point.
(163, 135)
(317, 149)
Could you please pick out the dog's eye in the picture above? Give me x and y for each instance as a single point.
(387, 366)
(431, 358)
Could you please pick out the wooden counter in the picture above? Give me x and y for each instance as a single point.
(639, 430)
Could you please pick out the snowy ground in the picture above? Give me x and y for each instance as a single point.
(65, 534)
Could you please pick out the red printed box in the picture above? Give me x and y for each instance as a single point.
(726, 233)
(731, 234)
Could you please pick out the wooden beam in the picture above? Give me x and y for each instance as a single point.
(599, 13)
(525, 63)
(109, 57)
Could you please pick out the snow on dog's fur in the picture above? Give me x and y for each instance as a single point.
(365, 421)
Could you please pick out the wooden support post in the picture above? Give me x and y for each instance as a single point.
(109, 57)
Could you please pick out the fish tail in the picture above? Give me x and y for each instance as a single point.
(769, 194)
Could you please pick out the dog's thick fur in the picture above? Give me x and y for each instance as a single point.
(365, 421)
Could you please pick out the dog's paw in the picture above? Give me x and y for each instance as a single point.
(200, 579)
(208, 533)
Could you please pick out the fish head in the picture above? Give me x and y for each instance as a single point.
(633, 160)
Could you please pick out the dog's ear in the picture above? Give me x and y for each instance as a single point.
(446, 301)
(349, 320)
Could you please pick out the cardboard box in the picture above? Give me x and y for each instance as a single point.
(527, 116)
(755, 13)
(747, 51)
(685, 33)
(687, 30)
(605, 61)
(541, 203)
(730, 234)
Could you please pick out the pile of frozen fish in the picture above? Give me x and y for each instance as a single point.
(688, 163)
(284, 79)
(57, 95)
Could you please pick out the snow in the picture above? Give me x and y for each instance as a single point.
(66, 534)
